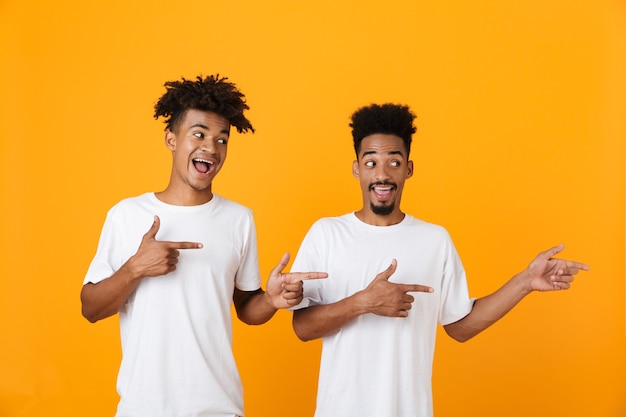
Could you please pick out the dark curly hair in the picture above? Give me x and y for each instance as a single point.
(211, 93)
(388, 118)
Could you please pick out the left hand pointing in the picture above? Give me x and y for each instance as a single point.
(549, 274)
(285, 289)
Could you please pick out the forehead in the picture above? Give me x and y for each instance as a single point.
(205, 119)
(380, 143)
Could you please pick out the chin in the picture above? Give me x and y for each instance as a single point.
(199, 186)
(382, 210)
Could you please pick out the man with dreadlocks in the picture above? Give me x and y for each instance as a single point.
(171, 263)
(378, 328)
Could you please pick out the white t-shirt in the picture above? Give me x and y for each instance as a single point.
(381, 366)
(176, 329)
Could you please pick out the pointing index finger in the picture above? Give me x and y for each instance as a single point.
(293, 277)
(417, 288)
(578, 265)
(185, 245)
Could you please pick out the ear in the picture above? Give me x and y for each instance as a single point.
(409, 172)
(170, 140)
(355, 169)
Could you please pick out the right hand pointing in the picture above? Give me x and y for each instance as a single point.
(157, 257)
(390, 299)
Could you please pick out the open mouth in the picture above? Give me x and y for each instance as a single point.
(382, 191)
(202, 165)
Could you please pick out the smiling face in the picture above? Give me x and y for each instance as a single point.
(382, 167)
(198, 145)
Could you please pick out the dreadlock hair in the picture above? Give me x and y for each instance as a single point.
(212, 93)
(388, 118)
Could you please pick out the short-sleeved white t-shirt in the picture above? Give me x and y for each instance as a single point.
(381, 366)
(176, 329)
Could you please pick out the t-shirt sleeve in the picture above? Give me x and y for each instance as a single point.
(248, 276)
(456, 302)
(108, 258)
(309, 259)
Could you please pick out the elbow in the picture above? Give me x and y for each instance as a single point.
(459, 332)
(86, 311)
(248, 315)
(303, 336)
(301, 331)
(93, 316)
(90, 315)
(90, 319)
(251, 320)
(88, 308)
(84, 302)
(460, 338)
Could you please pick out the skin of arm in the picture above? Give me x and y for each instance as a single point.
(253, 307)
(381, 297)
(487, 310)
(545, 273)
(105, 298)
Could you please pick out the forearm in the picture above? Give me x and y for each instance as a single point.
(489, 309)
(105, 298)
(322, 320)
(254, 308)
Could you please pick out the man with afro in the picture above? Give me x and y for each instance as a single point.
(378, 328)
(171, 264)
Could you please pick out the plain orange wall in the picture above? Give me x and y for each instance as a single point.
(522, 122)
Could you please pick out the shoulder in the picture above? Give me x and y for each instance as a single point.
(333, 222)
(225, 202)
(331, 228)
(430, 229)
(231, 208)
(146, 201)
(131, 203)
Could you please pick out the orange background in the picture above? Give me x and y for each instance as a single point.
(520, 146)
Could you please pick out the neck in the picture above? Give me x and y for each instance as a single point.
(184, 197)
(368, 217)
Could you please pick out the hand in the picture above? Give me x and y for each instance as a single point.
(285, 290)
(156, 257)
(385, 298)
(549, 274)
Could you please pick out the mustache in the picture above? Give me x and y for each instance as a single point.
(383, 183)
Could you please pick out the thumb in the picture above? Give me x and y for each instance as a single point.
(388, 272)
(151, 233)
(553, 251)
(278, 269)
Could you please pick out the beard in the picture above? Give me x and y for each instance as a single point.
(382, 210)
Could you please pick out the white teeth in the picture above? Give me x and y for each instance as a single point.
(203, 160)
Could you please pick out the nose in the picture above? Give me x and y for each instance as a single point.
(381, 173)
(208, 146)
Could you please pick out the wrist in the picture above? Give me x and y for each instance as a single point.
(269, 302)
(130, 273)
(525, 282)
(358, 303)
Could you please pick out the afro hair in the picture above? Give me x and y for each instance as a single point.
(211, 93)
(389, 119)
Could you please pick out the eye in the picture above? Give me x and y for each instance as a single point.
(395, 163)
(370, 164)
(199, 135)
(222, 141)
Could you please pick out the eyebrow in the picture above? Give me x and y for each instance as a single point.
(398, 152)
(200, 125)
